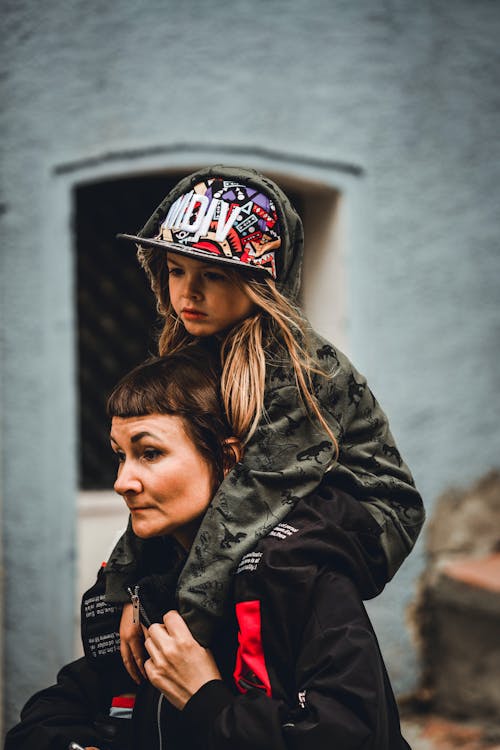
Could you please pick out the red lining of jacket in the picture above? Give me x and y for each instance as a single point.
(250, 660)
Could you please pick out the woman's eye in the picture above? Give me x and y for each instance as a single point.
(214, 276)
(150, 454)
(120, 457)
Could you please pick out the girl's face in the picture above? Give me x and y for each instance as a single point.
(204, 296)
(165, 481)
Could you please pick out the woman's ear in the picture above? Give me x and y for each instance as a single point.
(233, 452)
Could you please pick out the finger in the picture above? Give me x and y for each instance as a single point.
(175, 625)
(138, 654)
(129, 663)
(155, 649)
(157, 633)
(152, 671)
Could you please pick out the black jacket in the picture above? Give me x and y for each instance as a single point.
(300, 662)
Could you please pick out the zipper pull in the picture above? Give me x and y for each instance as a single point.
(134, 595)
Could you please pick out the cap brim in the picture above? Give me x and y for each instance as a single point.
(190, 252)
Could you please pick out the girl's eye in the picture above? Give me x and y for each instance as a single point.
(175, 271)
(214, 276)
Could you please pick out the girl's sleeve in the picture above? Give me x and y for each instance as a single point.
(123, 565)
(343, 695)
(284, 461)
(370, 466)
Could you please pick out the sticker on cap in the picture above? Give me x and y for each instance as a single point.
(226, 219)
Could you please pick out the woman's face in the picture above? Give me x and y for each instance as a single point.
(165, 481)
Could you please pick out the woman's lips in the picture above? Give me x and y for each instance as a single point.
(193, 314)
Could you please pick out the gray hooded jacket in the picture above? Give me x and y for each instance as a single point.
(289, 455)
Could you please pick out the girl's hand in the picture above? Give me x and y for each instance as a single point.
(178, 666)
(132, 645)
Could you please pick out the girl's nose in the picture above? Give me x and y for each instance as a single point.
(192, 286)
(127, 481)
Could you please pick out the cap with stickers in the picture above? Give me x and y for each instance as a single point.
(226, 215)
(221, 220)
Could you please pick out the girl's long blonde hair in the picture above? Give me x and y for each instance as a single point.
(277, 326)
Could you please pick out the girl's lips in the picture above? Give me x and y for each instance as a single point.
(193, 314)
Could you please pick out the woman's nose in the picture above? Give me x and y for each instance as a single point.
(127, 482)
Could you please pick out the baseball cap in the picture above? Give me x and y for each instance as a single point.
(221, 220)
(229, 215)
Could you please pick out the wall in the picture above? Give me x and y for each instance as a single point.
(406, 91)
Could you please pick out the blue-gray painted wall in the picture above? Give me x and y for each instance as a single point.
(407, 91)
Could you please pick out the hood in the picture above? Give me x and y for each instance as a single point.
(227, 215)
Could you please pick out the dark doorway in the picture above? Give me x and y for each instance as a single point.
(117, 319)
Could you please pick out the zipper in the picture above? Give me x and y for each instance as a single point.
(138, 610)
(134, 595)
(158, 721)
(139, 614)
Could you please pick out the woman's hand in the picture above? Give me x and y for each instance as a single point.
(178, 666)
(132, 645)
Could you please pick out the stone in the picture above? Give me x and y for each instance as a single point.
(456, 617)
(465, 648)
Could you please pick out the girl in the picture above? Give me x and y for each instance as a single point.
(294, 661)
(223, 252)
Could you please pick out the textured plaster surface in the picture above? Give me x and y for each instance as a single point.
(406, 91)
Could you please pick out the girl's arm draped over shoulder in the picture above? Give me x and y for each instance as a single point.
(286, 460)
(370, 466)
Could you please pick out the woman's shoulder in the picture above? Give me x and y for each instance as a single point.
(327, 531)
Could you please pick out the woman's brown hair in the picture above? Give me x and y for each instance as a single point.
(183, 384)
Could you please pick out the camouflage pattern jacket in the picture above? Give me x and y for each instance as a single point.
(287, 458)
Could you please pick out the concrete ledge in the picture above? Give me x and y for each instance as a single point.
(464, 605)
(470, 584)
(483, 572)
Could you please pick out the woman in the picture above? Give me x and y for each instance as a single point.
(295, 663)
